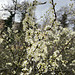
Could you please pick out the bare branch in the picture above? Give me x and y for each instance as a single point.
(54, 10)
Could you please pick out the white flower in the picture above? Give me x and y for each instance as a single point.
(47, 27)
(24, 63)
(59, 58)
(24, 69)
(53, 73)
(73, 61)
(30, 69)
(54, 64)
(43, 68)
(40, 36)
(56, 53)
(1, 40)
(10, 64)
(36, 37)
(21, 73)
(9, 30)
(73, 33)
(15, 31)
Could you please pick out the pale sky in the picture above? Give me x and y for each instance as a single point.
(40, 10)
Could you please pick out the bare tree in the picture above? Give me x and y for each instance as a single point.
(14, 9)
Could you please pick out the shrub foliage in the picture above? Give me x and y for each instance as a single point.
(33, 51)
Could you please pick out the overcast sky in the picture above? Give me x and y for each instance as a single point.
(41, 9)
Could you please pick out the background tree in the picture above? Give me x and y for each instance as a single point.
(66, 16)
(20, 9)
(63, 20)
(13, 10)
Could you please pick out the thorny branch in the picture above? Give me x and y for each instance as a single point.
(65, 46)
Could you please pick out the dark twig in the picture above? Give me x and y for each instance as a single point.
(54, 12)
(65, 46)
